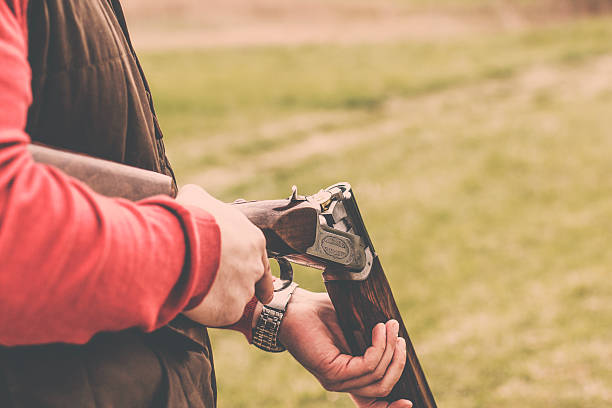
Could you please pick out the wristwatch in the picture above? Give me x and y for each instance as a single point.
(265, 333)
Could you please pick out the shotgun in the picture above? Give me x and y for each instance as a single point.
(323, 231)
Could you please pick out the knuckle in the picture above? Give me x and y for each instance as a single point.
(385, 388)
(378, 374)
(371, 365)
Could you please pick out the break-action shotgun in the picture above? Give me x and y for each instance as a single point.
(324, 231)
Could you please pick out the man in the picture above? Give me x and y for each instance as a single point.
(94, 291)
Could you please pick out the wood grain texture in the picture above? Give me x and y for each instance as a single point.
(289, 227)
(106, 177)
(360, 305)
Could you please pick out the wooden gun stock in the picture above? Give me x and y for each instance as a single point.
(106, 177)
(290, 228)
(360, 305)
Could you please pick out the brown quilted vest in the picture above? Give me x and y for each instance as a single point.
(91, 96)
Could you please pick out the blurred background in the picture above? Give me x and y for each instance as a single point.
(476, 134)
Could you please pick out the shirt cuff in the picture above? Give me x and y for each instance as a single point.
(202, 255)
(245, 324)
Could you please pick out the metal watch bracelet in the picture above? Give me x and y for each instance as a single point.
(265, 333)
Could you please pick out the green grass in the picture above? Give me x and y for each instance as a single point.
(216, 91)
(483, 170)
(213, 87)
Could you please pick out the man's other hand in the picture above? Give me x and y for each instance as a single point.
(373, 403)
(311, 333)
(244, 268)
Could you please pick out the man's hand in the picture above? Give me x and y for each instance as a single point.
(244, 268)
(311, 333)
(372, 403)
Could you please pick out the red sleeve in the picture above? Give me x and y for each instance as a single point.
(74, 263)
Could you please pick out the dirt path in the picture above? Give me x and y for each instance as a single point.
(164, 24)
(161, 24)
(566, 83)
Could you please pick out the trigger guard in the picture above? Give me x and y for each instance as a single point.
(286, 274)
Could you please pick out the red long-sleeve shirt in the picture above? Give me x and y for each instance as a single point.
(72, 262)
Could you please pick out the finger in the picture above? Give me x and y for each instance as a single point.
(395, 404)
(264, 288)
(392, 329)
(345, 367)
(401, 404)
(362, 402)
(192, 193)
(394, 372)
(187, 191)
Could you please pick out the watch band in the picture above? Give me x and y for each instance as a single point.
(265, 333)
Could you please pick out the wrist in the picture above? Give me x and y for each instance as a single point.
(303, 302)
(266, 331)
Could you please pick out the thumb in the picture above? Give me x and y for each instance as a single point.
(264, 288)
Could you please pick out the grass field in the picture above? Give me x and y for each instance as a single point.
(483, 168)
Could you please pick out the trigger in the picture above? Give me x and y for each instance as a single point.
(286, 274)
